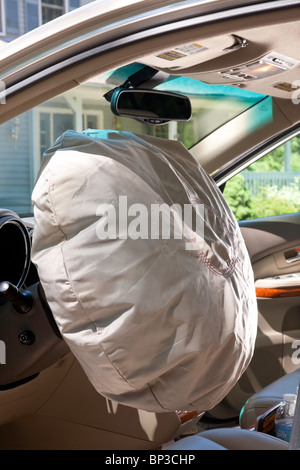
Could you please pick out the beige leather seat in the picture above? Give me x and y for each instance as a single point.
(244, 439)
(229, 439)
(269, 396)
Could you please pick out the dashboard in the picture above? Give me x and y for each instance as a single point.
(29, 336)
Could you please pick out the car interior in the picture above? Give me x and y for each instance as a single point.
(46, 399)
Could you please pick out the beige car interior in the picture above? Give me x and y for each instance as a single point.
(59, 409)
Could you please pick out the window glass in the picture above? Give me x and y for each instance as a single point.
(212, 105)
(1, 18)
(11, 16)
(270, 186)
(44, 131)
(74, 4)
(31, 15)
(90, 121)
(57, 3)
(41, 11)
(24, 140)
(51, 124)
(51, 9)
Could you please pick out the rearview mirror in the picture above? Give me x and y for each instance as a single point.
(150, 106)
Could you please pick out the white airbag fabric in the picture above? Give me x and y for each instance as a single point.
(157, 322)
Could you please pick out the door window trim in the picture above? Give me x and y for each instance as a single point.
(245, 160)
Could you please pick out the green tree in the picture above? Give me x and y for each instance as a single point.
(238, 197)
(271, 200)
(295, 157)
(274, 161)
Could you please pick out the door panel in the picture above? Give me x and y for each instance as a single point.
(276, 266)
(273, 244)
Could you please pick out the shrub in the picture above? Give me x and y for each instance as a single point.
(238, 197)
(270, 201)
(274, 201)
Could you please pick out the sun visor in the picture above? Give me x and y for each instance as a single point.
(145, 270)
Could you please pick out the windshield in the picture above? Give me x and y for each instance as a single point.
(26, 137)
(212, 105)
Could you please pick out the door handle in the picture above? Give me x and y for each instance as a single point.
(293, 258)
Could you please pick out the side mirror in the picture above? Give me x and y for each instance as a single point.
(150, 106)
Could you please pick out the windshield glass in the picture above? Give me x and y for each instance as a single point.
(25, 138)
(212, 105)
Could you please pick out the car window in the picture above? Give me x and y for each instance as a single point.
(270, 186)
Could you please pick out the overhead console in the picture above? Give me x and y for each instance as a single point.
(268, 65)
(257, 59)
(30, 340)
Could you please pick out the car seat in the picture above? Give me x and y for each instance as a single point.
(229, 439)
(268, 397)
(248, 439)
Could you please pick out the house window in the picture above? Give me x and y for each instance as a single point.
(32, 15)
(1, 18)
(53, 123)
(91, 120)
(74, 4)
(38, 12)
(12, 16)
(51, 9)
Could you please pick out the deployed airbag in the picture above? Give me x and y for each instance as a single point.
(145, 270)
